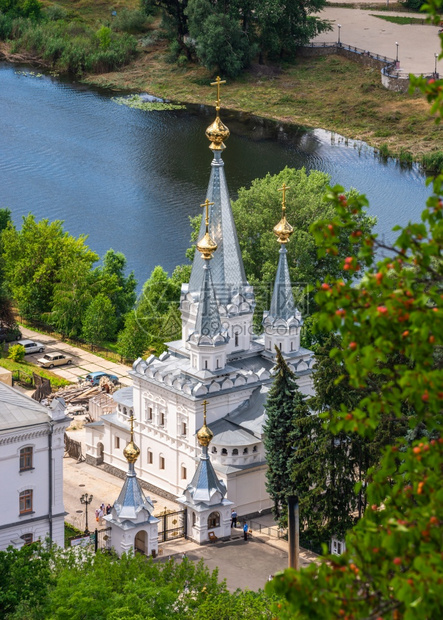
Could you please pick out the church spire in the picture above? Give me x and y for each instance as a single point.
(227, 266)
(282, 323)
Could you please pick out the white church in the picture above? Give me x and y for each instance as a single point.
(218, 360)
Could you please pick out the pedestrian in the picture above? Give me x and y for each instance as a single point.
(245, 531)
(233, 518)
(102, 508)
(100, 515)
(108, 509)
(96, 514)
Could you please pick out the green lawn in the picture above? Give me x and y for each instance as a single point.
(29, 368)
(401, 20)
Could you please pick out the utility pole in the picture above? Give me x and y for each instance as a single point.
(293, 532)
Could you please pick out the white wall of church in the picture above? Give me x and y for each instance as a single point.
(246, 489)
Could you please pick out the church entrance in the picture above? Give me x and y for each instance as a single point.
(141, 542)
(100, 453)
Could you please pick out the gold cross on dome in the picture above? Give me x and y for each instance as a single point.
(207, 204)
(204, 403)
(131, 419)
(283, 189)
(217, 83)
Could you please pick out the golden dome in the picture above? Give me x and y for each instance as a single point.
(206, 246)
(205, 435)
(131, 452)
(283, 230)
(217, 132)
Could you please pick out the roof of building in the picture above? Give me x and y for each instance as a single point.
(132, 499)
(208, 326)
(18, 410)
(124, 396)
(244, 425)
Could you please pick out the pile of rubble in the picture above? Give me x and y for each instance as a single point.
(77, 396)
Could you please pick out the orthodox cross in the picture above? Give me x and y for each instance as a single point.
(207, 204)
(217, 83)
(131, 419)
(204, 403)
(283, 189)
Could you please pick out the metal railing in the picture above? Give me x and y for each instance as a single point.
(272, 531)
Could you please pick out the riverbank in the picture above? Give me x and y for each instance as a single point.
(329, 92)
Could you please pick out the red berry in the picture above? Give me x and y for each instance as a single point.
(397, 561)
(352, 346)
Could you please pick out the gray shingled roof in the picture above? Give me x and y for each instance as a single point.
(208, 323)
(205, 483)
(243, 426)
(282, 304)
(227, 264)
(131, 499)
(18, 410)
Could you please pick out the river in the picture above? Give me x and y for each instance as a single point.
(127, 177)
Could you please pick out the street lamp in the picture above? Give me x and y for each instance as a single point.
(339, 28)
(86, 500)
(396, 57)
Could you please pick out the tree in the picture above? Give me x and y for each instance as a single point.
(99, 322)
(279, 436)
(34, 260)
(123, 297)
(16, 353)
(133, 340)
(72, 296)
(393, 563)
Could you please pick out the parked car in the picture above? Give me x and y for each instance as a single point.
(55, 358)
(31, 346)
(10, 334)
(94, 377)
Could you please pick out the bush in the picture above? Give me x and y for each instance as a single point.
(433, 162)
(55, 12)
(5, 26)
(130, 21)
(16, 353)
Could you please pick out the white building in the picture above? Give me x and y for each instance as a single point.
(31, 469)
(218, 359)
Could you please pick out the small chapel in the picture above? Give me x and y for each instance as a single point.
(218, 360)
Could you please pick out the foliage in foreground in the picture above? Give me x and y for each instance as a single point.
(393, 563)
(74, 584)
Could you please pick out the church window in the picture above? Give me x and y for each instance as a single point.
(117, 442)
(269, 345)
(27, 538)
(214, 450)
(150, 458)
(254, 449)
(193, 519)
(292, 346)
(218, 363)
(245, 451)
(184, 429)
(124, 411)
(184, 473)
(162, 462)
(280, 346)
(26, 501)
(214, 520)
(150, 414)
(26, 458)
(234, 452)
(206, 364)
(224, 452)
(162, 419)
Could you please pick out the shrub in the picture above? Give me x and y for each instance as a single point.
(55, 12)
(130, 21)
(16, 353)
(103, 35)
(433, 162)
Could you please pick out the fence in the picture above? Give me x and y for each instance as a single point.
(172, 525)
(22, 377)
(272, 531)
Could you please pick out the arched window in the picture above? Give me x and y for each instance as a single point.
(245, 451)
(254, 449)
(27, 538)
(214, 450)
(194, 519)
(161, 462)
(26, 455)
(234, 452)
(150, 457)
(224, 452)
(214, 520)
(236, 340)
(124, 411)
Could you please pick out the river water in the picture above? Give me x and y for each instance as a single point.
(129, 179)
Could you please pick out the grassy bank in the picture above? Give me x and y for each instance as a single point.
(330, 92)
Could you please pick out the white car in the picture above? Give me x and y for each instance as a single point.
(31, 346)
(55, 358)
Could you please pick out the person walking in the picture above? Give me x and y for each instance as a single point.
(233, 518)
(245, 531)
(96, 514)
(108, 509)
(100, 515)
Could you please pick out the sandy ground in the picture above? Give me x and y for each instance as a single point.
(417, 45)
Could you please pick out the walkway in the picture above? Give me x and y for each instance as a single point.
(83, 362)
(416, 44)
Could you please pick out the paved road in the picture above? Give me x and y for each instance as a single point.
(416, 44)
(83, 362)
